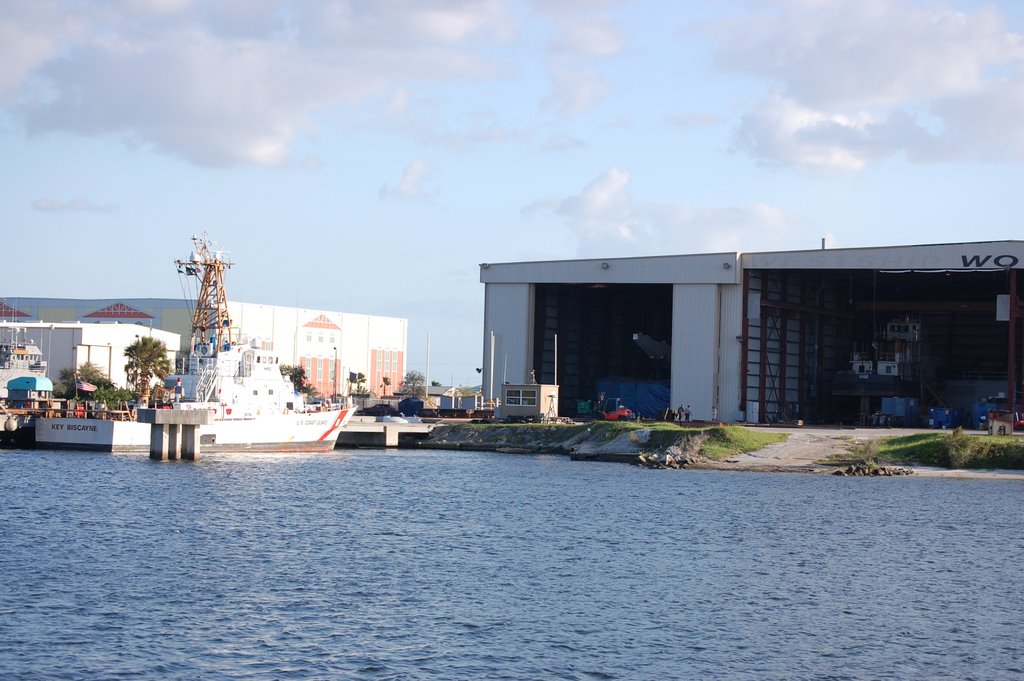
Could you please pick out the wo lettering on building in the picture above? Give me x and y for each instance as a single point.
(1005, 261)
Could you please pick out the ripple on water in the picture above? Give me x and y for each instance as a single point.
(391, 565)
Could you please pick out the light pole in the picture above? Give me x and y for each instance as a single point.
(334, 370)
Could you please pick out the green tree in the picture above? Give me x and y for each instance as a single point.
(358, 386)
(415, 384)
(385, 384)
(65, 386)
(113, 397)
(147, 359)
(297, 375)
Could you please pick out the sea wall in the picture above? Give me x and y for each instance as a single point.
(596, 441)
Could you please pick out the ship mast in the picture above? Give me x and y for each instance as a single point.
(211, 322)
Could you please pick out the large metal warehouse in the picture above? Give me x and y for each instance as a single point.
(823, 336)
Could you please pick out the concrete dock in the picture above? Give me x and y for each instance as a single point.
(174, 433)
(367, 431)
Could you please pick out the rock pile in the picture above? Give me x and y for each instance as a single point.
(673, 457)
(871, 469)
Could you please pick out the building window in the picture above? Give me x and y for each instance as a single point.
(521, 398)
(320, 338)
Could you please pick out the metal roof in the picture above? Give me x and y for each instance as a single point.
(724, 268)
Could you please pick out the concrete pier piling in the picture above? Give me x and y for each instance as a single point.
(174, 433)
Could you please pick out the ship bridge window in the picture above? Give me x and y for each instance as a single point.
(270, 391)
(255, 392)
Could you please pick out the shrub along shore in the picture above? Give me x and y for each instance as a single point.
(951, 449)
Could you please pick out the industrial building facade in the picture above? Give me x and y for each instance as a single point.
(328, 345)
(822, 336)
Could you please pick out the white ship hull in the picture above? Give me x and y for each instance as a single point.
(302, 432)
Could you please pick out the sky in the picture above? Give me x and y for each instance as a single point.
(366, 155)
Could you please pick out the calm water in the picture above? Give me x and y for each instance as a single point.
(451, 565)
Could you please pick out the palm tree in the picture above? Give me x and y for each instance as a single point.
(358, 386)
(147, 357)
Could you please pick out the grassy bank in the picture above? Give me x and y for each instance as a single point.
(715, 442)
(954, 449)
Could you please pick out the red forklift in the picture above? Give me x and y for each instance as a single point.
(612, 409)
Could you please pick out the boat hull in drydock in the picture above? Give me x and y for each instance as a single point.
(293, 432)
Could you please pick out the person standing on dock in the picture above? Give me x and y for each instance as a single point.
(686, 413)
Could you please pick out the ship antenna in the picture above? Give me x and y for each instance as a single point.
(211, 321)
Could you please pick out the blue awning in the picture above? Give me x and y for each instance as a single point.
(37, 383)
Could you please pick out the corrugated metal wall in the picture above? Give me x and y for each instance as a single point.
(695, 343)
(730, 317)
(508, 314)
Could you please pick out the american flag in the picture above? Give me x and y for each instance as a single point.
(84, 386)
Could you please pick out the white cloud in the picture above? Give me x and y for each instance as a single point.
(563, 142)
(411, 184)
(79, 205)
(852, 81)
(694, 120)
(401, 26)
(597, 37)
(583, 33)
(780, 131)
(606, 220)
(865, 53)
(232, 82)
(31, 33)
(990, 124)
(156, 7)
(574, 92)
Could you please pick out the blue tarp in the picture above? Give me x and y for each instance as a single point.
(649, 399)
(410, 406)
